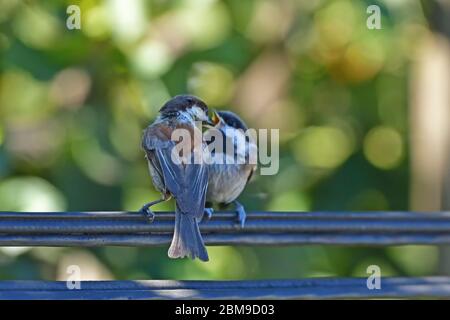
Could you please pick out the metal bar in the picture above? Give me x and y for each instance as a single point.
(122, 226)
(266, 239)
(384, 215)
(323, 288)
(262, 228)
(132, 222)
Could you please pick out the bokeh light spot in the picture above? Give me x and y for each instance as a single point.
(323, 147)
(363, 59)
(37, 27)
(335, 23)
(128, 20)
(205, 23)
(383, 147)
(30, 194)
(213, 82)
(96, 23)
(416, 260)
(290, 201)
(70, 87)
(99, 165)
(19, 107)
(152, 58)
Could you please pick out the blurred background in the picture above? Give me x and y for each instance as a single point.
(363, 117)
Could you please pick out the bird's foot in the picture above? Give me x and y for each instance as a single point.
(241, 214)
(147, 212)
(207, 214)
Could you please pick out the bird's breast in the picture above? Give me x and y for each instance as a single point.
(225, 182)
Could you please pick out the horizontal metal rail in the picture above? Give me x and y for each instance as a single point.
(315, 288)
(261, 228)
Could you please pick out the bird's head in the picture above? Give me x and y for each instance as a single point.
(186, 106)
(222, 119)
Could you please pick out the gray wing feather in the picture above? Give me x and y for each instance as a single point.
(187, 183)
(197, 181)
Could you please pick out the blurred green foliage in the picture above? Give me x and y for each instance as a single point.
(73, 104)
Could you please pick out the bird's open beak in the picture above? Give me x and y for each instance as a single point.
(215, 117)
(213, 120)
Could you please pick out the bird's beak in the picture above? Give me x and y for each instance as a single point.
(213, 120)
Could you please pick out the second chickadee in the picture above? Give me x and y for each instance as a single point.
(227, 179)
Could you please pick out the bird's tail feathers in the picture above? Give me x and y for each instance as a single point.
(187, 240)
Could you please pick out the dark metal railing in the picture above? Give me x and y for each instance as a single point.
(261, 228)
(317, 288)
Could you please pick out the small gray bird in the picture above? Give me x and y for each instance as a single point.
(182, 180)
(226, 181)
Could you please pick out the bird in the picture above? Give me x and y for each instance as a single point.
(179, 177)
(227, 179)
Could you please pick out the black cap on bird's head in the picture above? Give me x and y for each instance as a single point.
(190, 106)
(183, 103)
(228, 118)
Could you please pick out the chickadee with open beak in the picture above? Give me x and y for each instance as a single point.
(227, 179)
(185, 181)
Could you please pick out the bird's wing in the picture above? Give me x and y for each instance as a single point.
(186, 182)
(197, 179)
(157, 136)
